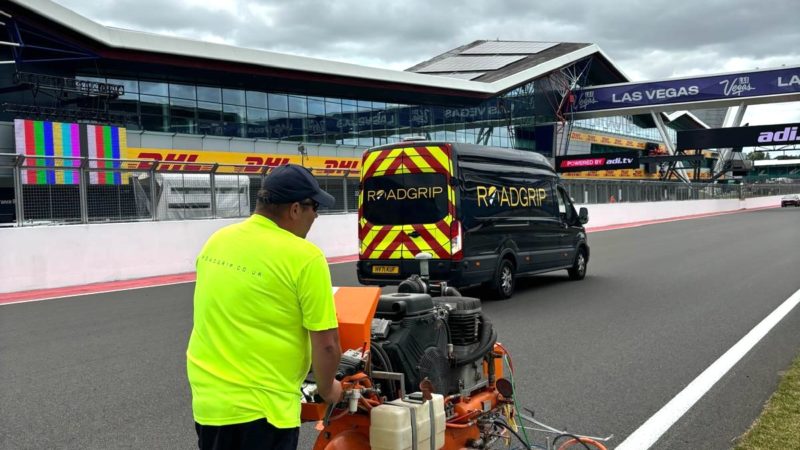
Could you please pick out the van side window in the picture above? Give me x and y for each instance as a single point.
(565, 209)
(562, 206)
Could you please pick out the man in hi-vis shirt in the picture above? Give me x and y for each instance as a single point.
(263, 315)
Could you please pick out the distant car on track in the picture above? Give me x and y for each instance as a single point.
(790, 200)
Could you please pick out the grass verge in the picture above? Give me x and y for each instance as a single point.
(778, 427)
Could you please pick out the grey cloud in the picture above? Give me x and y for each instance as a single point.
(685, 37)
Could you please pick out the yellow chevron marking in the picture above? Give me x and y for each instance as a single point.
(393, 154)
(440, 156)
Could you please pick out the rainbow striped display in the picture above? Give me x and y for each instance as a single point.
(105, 142)
(60, 141)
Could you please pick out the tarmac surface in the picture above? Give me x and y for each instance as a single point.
(600, 356)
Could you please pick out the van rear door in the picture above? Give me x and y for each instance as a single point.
(406, 203)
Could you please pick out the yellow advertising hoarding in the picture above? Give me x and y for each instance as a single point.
(625, 174)
(607, 140)
(243, 163)
(632, 174)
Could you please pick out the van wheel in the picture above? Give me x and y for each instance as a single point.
(578, 270)
(503, 285)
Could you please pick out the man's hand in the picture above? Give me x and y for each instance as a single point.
(333, 394)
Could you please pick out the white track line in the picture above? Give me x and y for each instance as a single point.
(652, 430)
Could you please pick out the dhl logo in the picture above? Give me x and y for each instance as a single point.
(334, 167)
(256, 164)
(183, 161)
(188, 161)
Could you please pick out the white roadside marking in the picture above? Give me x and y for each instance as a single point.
(652, 430)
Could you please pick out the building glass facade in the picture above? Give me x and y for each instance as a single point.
(504, 121)
(624, 126)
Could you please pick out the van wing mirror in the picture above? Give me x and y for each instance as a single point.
(583, 215)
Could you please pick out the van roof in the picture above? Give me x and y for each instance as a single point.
(477, 153)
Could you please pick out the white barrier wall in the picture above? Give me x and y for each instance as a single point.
(602, 215)
(611, 213)
(58, 256)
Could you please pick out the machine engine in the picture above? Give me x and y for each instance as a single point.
(444, 339)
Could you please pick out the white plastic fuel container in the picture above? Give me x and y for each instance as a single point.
(392, 427)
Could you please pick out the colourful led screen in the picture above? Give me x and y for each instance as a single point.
(57, 144)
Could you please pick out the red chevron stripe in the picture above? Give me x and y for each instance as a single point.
(362, 231)
(392, 169)
(412, 247)
(429, 239)
(431, 160)
(374, 166)
(377, 240)
(392, 247)
(411, 165)
(442, 226)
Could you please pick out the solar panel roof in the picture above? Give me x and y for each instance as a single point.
(460, 75)
(470, 63)
(511, 48)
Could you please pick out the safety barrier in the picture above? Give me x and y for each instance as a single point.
(50, 257)
(71, 190)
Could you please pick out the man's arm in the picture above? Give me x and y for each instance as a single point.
(325, 355)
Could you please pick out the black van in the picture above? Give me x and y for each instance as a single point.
(486, 215)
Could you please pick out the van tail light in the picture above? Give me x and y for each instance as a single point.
(456, 241)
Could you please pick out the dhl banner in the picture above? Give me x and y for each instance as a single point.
(607, 140)
(245, 163)
(626, 143)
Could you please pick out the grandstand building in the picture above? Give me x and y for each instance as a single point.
(775, 171)
(171, 96)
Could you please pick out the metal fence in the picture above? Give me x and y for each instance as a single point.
(586, 191)
(64, 190)
(69, 190)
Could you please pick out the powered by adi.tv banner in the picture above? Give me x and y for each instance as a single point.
(591, 162)
(243, 163)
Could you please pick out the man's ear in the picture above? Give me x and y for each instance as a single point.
(295, 210)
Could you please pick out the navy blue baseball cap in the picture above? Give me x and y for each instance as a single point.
(291, 183)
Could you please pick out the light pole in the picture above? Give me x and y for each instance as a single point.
(302, 150)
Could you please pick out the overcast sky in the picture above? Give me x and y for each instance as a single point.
(647, 39)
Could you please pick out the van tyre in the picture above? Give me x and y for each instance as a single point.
(502, 286)
(578, 270)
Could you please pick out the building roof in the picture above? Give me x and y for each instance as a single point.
(776, 162)
(685, 120)
(493, 61)
(118, 43)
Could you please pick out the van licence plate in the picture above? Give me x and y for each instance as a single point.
(386, 269)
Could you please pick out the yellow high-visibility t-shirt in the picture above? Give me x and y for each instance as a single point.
(259, 291)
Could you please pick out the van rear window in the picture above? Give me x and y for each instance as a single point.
(405, 199)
